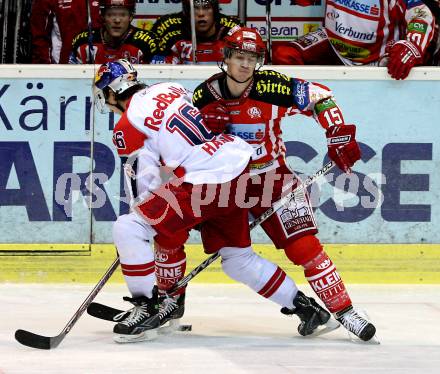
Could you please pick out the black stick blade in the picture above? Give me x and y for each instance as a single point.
(105, 312)
(37, 341)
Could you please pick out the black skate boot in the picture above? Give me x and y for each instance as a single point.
(141, 323)
(171, 309)
(356, 324)
(311, 314)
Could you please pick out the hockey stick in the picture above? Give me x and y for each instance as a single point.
(48, 342)
(193, 31)
(258, 221)
(5, 8)
(91, 59)
(105, 312)
(269, 31)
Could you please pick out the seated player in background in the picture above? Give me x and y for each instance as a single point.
(250, 103)
(174, 33)
(54, 24)
(116, 39)
(395, 34)
(434, 48)
(160, 126)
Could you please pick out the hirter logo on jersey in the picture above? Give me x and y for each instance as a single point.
(254, 112)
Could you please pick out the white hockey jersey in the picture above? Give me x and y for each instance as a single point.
(163, 128)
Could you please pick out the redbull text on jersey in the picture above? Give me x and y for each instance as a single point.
(162, 102)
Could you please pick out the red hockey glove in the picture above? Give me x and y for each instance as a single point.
(343, 148)
(216, 116)
(403, 55)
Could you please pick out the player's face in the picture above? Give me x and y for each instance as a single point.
(112, 103)
(204, 18)
(241, 65)
(117, 21)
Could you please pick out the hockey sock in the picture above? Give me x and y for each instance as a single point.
(261, 275)
(170, 267)
(140, 278)
(323, 277)
(135, 254)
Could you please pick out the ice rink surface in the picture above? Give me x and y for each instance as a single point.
(234, 331)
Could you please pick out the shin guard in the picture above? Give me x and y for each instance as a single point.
(325, 280)
(319, 271)
(170, 267)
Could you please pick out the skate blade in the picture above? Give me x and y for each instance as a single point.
(143, 336)
(330, 326)
(173, 326)
(354, 339)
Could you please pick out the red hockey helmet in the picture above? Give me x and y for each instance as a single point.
(244, 39)
(201, 3)
(106, 4)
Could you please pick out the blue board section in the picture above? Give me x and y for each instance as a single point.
(46, 132)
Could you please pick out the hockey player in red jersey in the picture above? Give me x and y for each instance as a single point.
(174, 33)
(116, 39)
(434, 49)
(395, 34)
(250, 103)
(55, 23)
(160, 126)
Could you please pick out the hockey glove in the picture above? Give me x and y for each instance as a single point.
(343, 148)
(216, 117)
(403, 55)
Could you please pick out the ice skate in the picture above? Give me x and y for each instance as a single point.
(357, 325)
(315, 320)
(171, 310)
(142, 322)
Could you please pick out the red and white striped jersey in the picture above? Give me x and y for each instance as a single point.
(163, 128)
(256, 115)
(359, 30)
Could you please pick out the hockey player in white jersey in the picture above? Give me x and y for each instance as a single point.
(160, 127)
